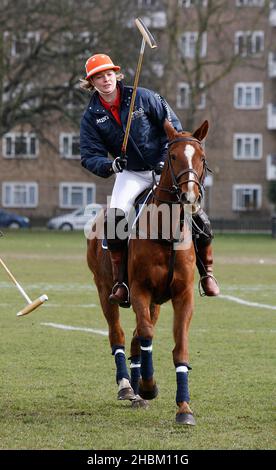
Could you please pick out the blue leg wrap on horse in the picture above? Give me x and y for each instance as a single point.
(182, 393)
(135, 372)
(146, 358)
(120, 361)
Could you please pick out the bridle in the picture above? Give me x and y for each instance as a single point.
(175, 190)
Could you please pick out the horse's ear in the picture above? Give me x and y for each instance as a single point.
(169, 129)
(201, 132)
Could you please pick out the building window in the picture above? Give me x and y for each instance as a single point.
(192, 3)
(248, 43)
(250, 3)
(90, 39)
(74, 195)
(248, 95)
(247, 197)
(188, 44)
(16, 145)
(183, 98)
(248, 146)
(74, 97)
(69, 145)
(158, 69)
(23, 43)
(146, 3)
(15, 194)
(154, 19)
(271, 167)
(24, 95)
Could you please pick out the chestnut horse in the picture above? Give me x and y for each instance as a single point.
(157, 272)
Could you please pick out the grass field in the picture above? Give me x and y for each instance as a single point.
(58, 387)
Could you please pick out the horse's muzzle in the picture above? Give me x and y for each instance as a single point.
(184, 198)
(192, 207)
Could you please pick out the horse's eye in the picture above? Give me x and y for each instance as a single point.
(173, 157)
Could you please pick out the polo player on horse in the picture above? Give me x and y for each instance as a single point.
(102, 132)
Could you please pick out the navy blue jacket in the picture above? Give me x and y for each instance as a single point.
(101, 135)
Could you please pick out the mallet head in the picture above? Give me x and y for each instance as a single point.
(145, 33)
(36, 303)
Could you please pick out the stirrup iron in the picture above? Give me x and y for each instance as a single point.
(126, 303)
(200, 288)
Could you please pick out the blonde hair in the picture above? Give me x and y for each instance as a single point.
(86, 84)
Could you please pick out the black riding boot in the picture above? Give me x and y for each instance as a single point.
(117, 245)
(204, 264)
(120, 293)
(202, 236)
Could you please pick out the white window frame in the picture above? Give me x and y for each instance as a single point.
(71, 105)
(186, 104)
(247, 141)
(24, 187)
(250, 3)
(87, 38)
(191, 3)
(146, 3)
(247, 36)
(21, 89)
(245, 86)
(13, 136)
(191, 37)
(70, 136)
(158, 19)
(271, 167)
(24, 38)
(71, 185)
(158, 69)
(246, 188)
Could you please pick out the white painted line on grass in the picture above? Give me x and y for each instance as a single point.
(76, 328)
(246, 302)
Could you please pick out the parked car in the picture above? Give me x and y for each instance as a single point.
(75, 220)
(12, 220)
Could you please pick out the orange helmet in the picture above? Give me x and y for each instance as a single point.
(98, 63)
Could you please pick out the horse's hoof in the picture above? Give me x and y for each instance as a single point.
(148, 394)
(138, 402)
(126, 394)
(185, 418)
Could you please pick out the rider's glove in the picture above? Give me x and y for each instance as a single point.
(159, 168)
(119, 164)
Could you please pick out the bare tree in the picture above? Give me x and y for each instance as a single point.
(187, 56)
(43, 46)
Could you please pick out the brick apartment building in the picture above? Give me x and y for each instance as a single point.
(40, 180)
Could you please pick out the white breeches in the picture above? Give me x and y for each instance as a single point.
(128, 185)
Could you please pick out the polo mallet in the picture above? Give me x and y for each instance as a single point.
(149, 39)
(32, 305)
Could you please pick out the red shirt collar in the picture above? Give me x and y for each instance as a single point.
(115, 104)
(113, 108)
